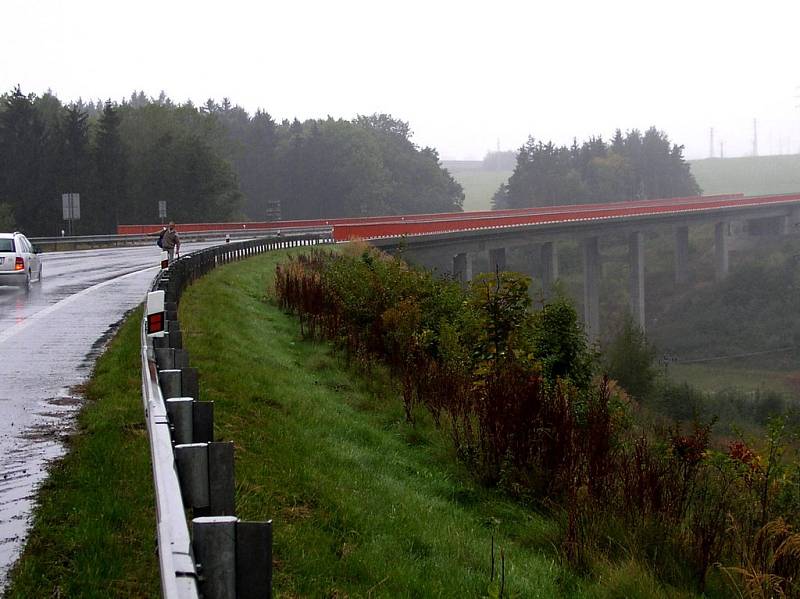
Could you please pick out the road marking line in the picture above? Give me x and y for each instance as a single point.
(7, 334)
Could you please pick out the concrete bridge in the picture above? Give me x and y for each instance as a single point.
(450, 242)
(451, 245)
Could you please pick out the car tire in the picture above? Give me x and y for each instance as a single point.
(27, 284)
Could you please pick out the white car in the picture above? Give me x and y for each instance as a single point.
(20, 263)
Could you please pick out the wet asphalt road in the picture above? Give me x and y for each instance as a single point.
(49, 340)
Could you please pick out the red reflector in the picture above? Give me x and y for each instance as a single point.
(19, 264)
(165, 263)
(155, 323)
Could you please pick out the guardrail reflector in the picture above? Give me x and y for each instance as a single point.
(164, 260)
(156, 315)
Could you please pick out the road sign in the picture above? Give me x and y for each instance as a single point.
(162, 209)
(71, 205)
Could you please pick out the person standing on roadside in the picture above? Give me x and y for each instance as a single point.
(171, 243)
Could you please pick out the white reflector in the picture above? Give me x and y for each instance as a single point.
(156, 316)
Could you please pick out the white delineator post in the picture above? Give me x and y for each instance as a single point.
(156, 315)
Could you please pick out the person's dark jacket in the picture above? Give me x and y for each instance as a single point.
(170, 240)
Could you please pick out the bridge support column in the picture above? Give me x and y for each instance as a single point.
(636, 280)
(591, 291)
(462, 267)
(497, 259)
(681, 255)
(721, 250)
(549, 259)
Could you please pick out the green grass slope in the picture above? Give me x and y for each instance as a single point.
(751, 175)
(364, 504)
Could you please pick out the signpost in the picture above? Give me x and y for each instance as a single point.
(162, 210)
(71, 205)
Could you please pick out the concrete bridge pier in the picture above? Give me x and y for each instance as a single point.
(548, 256)
(591, 288)
(497, 259)
(721, 250)
(636, 276)
(462, 267)
(681, 255)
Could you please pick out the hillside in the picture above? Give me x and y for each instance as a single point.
(751, 175)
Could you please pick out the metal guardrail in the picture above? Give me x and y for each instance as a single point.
(218, 555)
(178, 572)
(98, 241)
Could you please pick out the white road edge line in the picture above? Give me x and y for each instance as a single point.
(21, 326)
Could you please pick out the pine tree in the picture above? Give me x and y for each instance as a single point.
(111, 169)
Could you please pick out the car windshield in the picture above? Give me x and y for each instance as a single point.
(6, 245)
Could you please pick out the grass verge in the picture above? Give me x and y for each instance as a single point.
(93, 533)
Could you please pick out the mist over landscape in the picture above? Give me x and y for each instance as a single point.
(550, 345)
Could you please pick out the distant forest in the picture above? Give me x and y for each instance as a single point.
(213, 162)
(632, 166)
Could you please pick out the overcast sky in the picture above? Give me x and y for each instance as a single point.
(466, 75)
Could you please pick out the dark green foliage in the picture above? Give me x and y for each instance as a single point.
(121, 162)
(25, 177)
(754, 309)
(560, 343)
(471, 357)
(632, 167)
(630, 360)
(112, 168)
(516, 393)
(216, 163)
(369, 166)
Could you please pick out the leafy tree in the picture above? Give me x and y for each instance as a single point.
(630, 360)
(634, 166)
(559, 344)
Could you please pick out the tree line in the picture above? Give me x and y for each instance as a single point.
(214, 162)
(632, 166)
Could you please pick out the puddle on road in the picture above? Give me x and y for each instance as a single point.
(24, 467)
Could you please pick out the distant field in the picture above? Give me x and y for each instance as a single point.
(479, 184)
(716, 377)
(751, 175)
(759, 175)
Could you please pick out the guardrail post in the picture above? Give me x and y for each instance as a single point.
(180, 412)
(170, 381)
(203, 421)
(165, 358)
(175, 335)
(214, 545)
(254, 560)
(192, 460)
(221, 479)
(190, 384)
